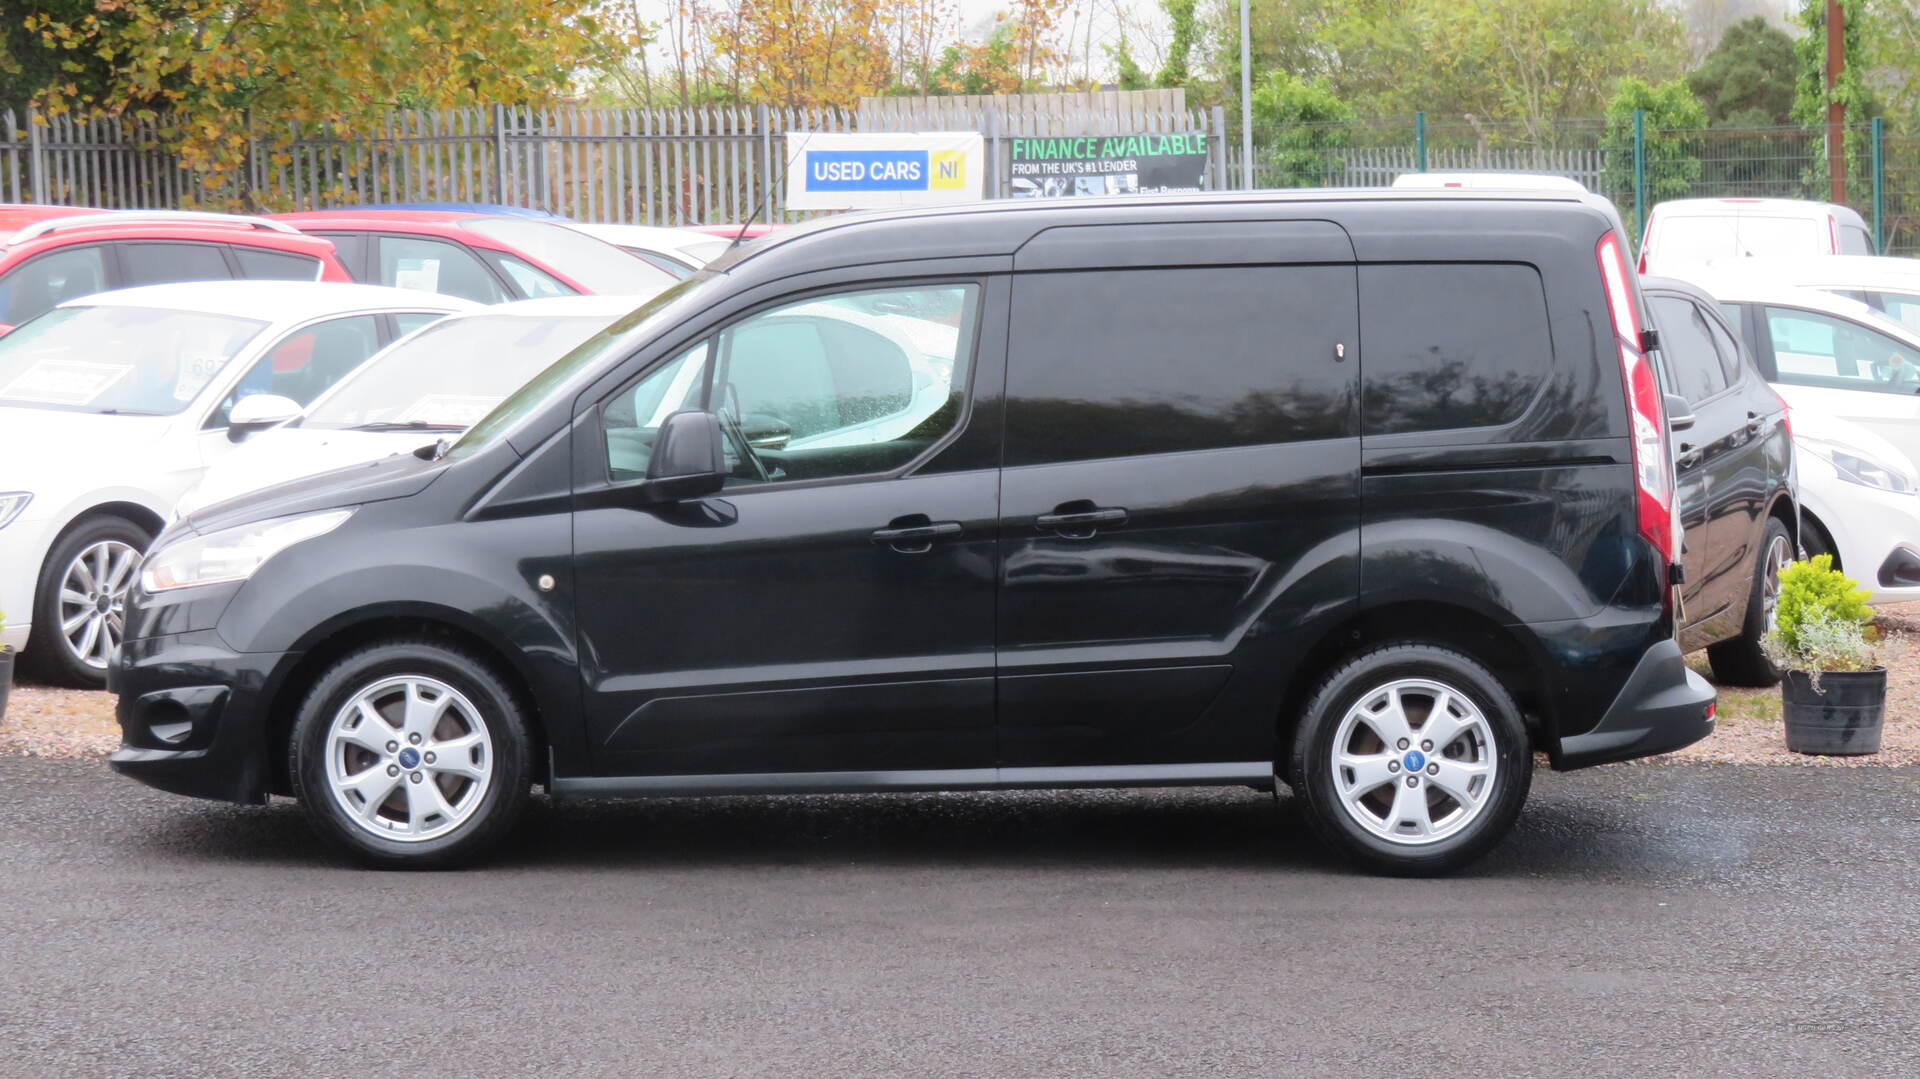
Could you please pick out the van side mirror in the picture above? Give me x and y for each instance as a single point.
(1679, 413)
(259, 412)
(688, 459)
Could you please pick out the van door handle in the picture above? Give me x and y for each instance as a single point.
(1080, 523)
(917, 537)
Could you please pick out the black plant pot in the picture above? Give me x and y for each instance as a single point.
(1842, 718)
(6, 678)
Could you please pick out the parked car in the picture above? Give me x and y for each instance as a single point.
(114, 404)
(1826, 353)
(1172, 524)
(492, 208)
(1860, 503)
(1734, 469)
(480, 257)
(740, 231)
(677, 251)
(1495, 181)
(433, 383)
(1684, 235)
(1891, 286)
(50, 254)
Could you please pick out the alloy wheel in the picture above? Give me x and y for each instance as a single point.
(408, 758)
(93, 600)
(1413, 761)
(1779, 553)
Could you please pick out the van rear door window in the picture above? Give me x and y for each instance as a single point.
(1451, 345)
(1119, 363)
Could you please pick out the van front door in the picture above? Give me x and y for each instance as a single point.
(828, 615)
(1180, 499)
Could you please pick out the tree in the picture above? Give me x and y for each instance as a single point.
(1811, 95)
(1741, 82)
(206, 64)
(1307, 124)
(812, 52)
(1182, 18)
(1673, 121)
(1127, 73)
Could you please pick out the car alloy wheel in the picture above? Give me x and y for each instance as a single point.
(1413, 761)
(1779, 553)
(408, 758)
(93, 600)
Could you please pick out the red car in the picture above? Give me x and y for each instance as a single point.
(482, 257)
(51, 254)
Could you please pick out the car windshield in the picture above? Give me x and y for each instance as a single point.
(599, 267)
(136, 360)
(452, 373)
(621, 335)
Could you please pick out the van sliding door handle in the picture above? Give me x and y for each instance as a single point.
(1081, 524)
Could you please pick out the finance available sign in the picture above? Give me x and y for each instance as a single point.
(1107, 164)
(842, 171)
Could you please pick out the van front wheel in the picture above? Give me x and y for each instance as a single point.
(1413, 759)
(411, 753)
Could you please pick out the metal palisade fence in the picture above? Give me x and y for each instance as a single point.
(641, 166)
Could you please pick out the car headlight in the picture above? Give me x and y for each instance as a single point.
(1855, 466)
(11, 504)
(232, 554)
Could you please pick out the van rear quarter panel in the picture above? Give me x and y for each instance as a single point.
(1530, 522)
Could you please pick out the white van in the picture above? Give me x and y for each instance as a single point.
(1683, 235)
(1494, 181)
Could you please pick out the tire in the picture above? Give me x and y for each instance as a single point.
(1739, 661)
(1488, 759)
(74, 560)
(414, 805)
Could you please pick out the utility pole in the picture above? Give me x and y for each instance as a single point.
(1836, 110)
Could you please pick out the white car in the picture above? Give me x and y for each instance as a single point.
(1887, 284)
(432, 384)
(1825, 353)
(677, 251)
(113, 405)
(1685, 235)
(1860, 502)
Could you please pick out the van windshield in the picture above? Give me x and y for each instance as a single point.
(565, 372)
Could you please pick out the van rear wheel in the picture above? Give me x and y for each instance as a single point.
(1413, 759)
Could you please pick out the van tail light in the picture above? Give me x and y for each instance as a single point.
(1652, 474)
(1833, 235)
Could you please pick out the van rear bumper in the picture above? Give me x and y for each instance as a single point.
(1663, 707)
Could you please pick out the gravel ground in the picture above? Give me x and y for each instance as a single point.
(43, 721)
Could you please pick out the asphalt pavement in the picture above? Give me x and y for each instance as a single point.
(1650, 920)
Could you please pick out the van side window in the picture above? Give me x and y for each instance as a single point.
(834, 386)
(1451, 345)
(1814, 349)
(1118, 363)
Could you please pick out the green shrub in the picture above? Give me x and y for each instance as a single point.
(1821, 623)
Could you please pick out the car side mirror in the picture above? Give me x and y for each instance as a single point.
(1679, 413)
(259, 412)
(688, 459)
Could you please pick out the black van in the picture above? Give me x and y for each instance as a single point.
(1369, 493)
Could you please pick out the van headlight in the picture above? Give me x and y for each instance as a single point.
(232, 554)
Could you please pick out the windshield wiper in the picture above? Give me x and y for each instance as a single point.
(126, 412)
(409, 425)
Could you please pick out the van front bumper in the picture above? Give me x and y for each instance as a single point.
(191, 718)
(1664, 706)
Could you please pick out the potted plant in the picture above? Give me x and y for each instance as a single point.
(1834, 695)
(6, 667)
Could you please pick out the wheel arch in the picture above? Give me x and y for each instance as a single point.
(1502, 649)
(324, 645)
